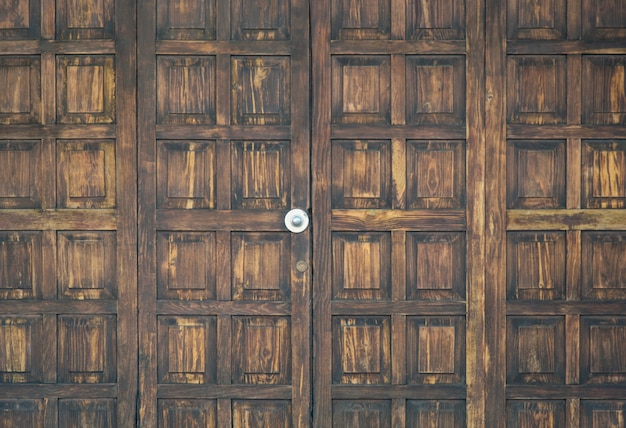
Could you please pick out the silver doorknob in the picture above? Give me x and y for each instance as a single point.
(297, 220)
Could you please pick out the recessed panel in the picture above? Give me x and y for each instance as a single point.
(536, 92)
(186, 174)
(261, 350)
(261, 174)
(361, 89)
(435, 350)
(604, 173)
(187, 349)
(78, 413)
(21, 265)
(535, 350)
(435, 90)
(85, 19)
(261, 90)
(22, 413)
(361, 413)
(261, 413)
(20, 176)
(186, 19)
(604, 265)
(536, 265)
(435, 174)
(86, 174)
(361, 19)
(261, 266)
(260, 19)
(20, 349)
(361, 266)
(604, 20)
(186, 92)
(361, 174)
(435, 413)
(186, 265)
(20, 20)
(537, 19)
(435, 266)
(87, 349)
(187, 413)
(86, 265)
(535, 413)
(435, 20)
(361, 350)
(601, 414)
(604, 89)
(603, 350)
(85, 89)
(20, 99)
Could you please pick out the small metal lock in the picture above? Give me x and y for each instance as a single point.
(297, 220)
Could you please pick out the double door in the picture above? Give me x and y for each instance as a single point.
(461, 163)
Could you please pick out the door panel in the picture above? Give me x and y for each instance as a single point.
(224, 154)
(68, 327)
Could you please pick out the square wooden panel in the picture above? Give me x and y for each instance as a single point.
(20, 20)
(260, 19)
(361, 350)
(537, 19)
(87, 349)
(535, 174)
(261, 349)
(361, 413)
(361, 265)
(435, 350)
(22, 413)
(187, 413)
(86, 174)
(85, 19)
(536, 89)
(261, 174)
(361, 174)
(21, 349)
(85, 89)
(20, 99)
(435, 19)
(435, 90)
(186, 20)
(21, 265)
(187, 349)
(535, 350)
(20, 174)
(435, 266)
(186, 174)
(604, 89)
(435, 413)
(535, 413)
(86, 265)
(361, 19)
(361, 89)
(602, 350)
(603, 20)
(261, 413)
(602, 414)
(186, 90)
(604, 265)
(435, 174)
(99, 413)
(536, 265)
(257, 272)
(187, 262)
(261, 90)
(604, 174)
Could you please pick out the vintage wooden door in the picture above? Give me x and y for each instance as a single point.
(68, 329)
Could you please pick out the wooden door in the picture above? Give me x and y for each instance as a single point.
(224, 309)
(68, 329)
(556, 150)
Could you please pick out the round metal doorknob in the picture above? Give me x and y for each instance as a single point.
(297, 220)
